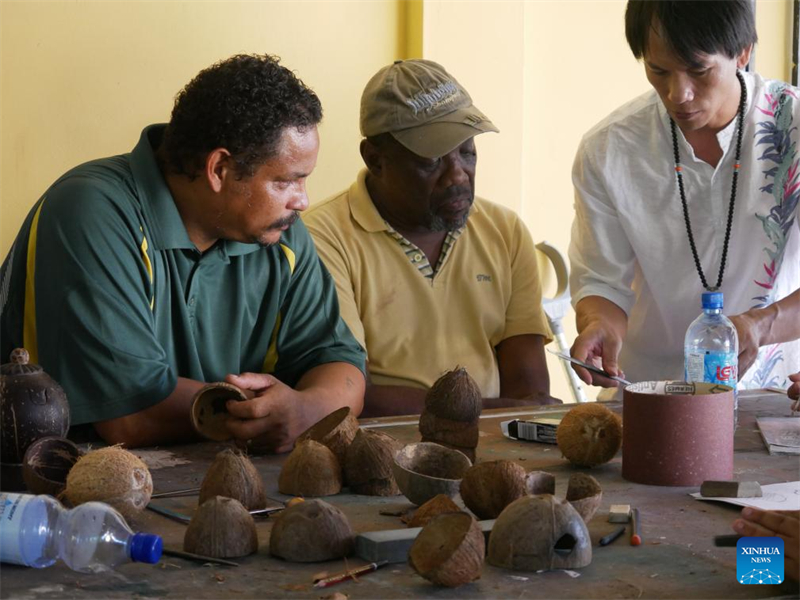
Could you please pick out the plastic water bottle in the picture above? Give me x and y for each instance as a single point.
(711, 348)
(36, 531)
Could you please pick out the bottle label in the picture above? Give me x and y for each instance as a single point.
(12, 507)
(712, 367)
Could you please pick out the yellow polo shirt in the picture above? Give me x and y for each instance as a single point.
(413, 327)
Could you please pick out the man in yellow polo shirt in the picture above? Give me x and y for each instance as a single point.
(428, 276)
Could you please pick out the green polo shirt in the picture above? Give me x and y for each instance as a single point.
(107, 292)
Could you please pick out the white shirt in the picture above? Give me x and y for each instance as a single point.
(629, 242)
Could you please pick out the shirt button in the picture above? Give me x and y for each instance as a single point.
(417, 257)
(191, 301)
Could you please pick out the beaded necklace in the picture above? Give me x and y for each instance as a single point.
(736, 166)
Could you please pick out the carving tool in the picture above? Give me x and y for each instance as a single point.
(181, 518)
(198, 557)
(636, 530)
(173, 493)
(607, 539)
(349, 574)
(589, 367)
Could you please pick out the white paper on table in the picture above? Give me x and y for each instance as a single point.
(776, 496)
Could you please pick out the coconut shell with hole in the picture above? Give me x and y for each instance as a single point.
(368, 466)
(425, 470)
(111, 475)
(209, 412)
(438, 505)
(445, 431)
(488, 487)
(449, 550)
(336, 431)
(47, 463)
(455, 396)
(233, 475)
(310, 470)
(585, 495)
(539, 533)
(222, 528)
(311, 531)
(589, 435)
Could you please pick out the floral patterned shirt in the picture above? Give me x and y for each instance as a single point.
(629, 241)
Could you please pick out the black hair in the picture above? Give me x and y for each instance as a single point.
(242, 104)
(691, 28)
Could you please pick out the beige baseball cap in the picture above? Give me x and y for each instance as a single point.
(422, 106)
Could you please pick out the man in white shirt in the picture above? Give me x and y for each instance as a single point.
(636, 278)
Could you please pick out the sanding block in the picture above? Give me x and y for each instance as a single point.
(730, 489)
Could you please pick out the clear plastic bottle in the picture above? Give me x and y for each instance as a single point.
(711, 348)
(36, 531)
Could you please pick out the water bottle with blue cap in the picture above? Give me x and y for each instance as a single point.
(36, 531)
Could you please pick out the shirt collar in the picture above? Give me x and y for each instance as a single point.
(167, 230)
(364, 211)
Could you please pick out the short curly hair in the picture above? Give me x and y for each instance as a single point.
(242, 104)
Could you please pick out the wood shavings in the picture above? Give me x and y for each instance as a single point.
(160, 459)
(335, 596)
(219, 578)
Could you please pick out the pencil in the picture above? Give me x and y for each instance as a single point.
(607, 539)
(351, 574)
(636, 529)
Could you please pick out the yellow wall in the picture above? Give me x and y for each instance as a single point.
(79, 80)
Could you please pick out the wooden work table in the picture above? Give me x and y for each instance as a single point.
(677, 559)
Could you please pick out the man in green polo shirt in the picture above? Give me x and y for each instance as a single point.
(136, 279)
(430, 277)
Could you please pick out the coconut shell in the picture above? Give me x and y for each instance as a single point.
(311, 531)
(425, 470)
(449, 550)
(589, 434)
(540, 482)
(438, 505)
(209, 412)
(233, 475)
(368, 466)
(585, 495)
(222, 528)
(536, 533)
(336, 431)
(487, 488)
(47, 463)
(455, 396)
(310, 470)
(445, 431)
(111, 475)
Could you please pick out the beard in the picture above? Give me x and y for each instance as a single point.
(438, 222)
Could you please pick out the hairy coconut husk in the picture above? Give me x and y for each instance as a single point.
(455, 396)
(233, 475)
(336, 431)
(540, 482)
(111, 475)
(438, 505)
(589, 434)
(310, 470)
(369, 461)
(424, 470)
(47, 463)
(585, 495)
(536, 533)
(487, 488)
(223, 528)
(455, 433)
(311, 531)
(449, 550)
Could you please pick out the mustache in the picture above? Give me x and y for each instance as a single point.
(286, 221)
(454, 192)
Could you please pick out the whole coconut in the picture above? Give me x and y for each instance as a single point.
(589, 434)
(310, 470)
(336, 431)
(368, 466)
(536, 533)
(233, 475)
(585, 494)
(449, 550)
(222, 528)
(111, 475)
(488, 487)
(455, 396)
(311, 531)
